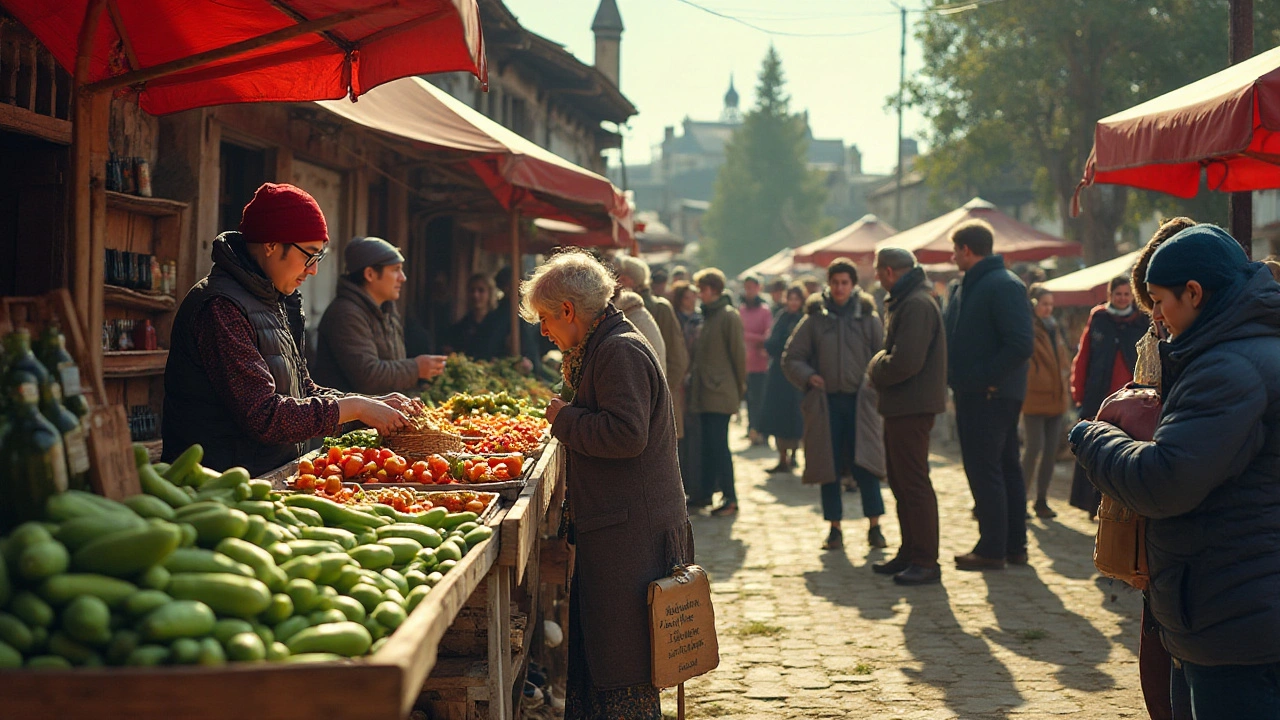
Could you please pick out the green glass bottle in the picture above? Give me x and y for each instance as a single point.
(17, 347)
(73, 437)
(53, 354)
(33, 465)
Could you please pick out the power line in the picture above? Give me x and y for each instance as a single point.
(948, 9)
(766, 31)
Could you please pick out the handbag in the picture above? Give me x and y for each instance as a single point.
(682, 628)
(1120, 549)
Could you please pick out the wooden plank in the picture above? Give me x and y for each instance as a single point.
(523, 521)
(231, 692)
(21, 120)
(112, 470)
(154, 207)
(413, 646)
(124, 297)
(500, 643)
(134, 363)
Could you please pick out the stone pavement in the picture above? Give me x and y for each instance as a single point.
(811, 634)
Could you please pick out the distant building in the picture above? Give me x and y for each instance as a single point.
(680, 181)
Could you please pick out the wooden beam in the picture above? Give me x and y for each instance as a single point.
(114, 11)
(406, 25)
(82, 130)
(21, 120)
(294, 15)
(515, 284)
(138, 77)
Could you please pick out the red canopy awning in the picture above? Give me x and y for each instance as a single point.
(856, 242)
(1088, 286)
(522, 176)
(354, 45)
(1226, 125)
(1017, 241)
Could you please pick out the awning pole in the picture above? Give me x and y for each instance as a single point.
(515, 283)
(1239, 49)
(82, 132)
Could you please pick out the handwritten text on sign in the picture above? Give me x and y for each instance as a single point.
(682, 642)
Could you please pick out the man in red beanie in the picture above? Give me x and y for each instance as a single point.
(237, 380)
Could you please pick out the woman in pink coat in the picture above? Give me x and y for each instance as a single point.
(757, 320)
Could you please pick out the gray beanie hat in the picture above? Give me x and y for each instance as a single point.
(364, 252)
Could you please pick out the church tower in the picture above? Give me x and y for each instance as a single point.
(608, 31)
(731, 113)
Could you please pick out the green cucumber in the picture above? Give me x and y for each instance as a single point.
(148, 655)
(397, 579)
(16, 633)
(257, 532)
(246, 647)
(292, 626)
(304, 594)
(228, 595)
(78, 532)
(389, 615)
(198, 560)
(350, 607)
(307, 658)
(280, 609)
(346, 539)
(48, 662)
(212, 526)
(128, 552)
(367, 595)
(347, 639)
(197, 507)
(143, 602)
(87, 619)
(303, 566)
(264, 566)
(323, 617)
(184, 651)
(149, 506)
(434, 578)
(404, 549)
(228, 480)
(178, 619)
(415, 596)
(227, 628)
(448, 550)
(374, 557)
(333, 513)
(453, 520)
(78, 653)
(261, 508)
(211, 653)
(433, 518)
(62, 589)
(331, 565)
(77, 503)
(307, 516)
(313, 547)
(261, 489)
(477, 536)
(277, 652)
(153, 484)
(155, 578)
(184, 466)
(43, 559)
(280, 552)
(425, 536)
(414, 579)
(122, 643)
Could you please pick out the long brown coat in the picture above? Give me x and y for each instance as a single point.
(677, 353)
(625, 495)
(1047, 377)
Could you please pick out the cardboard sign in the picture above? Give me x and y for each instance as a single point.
(682, 628)
(113, 472)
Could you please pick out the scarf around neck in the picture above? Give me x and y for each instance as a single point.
(1117, 312)
(572, 365)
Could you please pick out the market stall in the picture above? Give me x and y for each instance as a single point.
(1017, 241)
(1088, 286)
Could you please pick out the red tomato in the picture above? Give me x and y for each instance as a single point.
(411, 476)
(439, 466)
(371, 454)
(333, 484)
(474, 506)
(370, 468)
(385, 454)
(420, 467)
(352, 467)
(477, 471)
(305, 482)
(515, 465)
(305, 467)
(380, 476)
(335, 455)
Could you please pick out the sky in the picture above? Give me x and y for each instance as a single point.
(677, 59)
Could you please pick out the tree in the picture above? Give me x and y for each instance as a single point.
(765, 196)
(1016, 88)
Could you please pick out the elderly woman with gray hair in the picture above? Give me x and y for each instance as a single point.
(626, 513)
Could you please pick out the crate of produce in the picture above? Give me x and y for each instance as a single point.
(212, 596)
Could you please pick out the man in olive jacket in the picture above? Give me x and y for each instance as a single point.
(990, 341)
(718, 384)
(361, 339)
(911, 375)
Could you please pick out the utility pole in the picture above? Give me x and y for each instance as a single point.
(1239, 49)
(902, 82)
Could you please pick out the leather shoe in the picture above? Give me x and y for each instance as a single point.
(1017, 558)
(974, 561)
(916, 575)
(890, 567)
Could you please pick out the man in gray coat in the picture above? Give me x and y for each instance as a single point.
(911, 375)
(361, 343)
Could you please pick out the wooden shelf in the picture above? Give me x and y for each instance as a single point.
(134, 363)
(155, 207)
(124, 297)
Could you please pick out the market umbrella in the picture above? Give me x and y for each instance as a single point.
(782, 262)
(1225, 127)
(522, 176)
(856, 242)
(1017, 241)
(182, 55)
(1088, 286)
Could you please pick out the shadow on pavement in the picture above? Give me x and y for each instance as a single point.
(1032, 621)
(715, 548)
(840, 582)
(1070, 550)
(973, 682)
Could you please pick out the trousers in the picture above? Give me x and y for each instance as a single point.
(1043, 434)
(988, 430)
(717, 460)
(906, 455)
(842, 412)
(1233, 692)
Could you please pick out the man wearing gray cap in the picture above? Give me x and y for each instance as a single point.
(911, 375)
(361, 345)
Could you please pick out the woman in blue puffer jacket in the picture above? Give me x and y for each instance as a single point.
(1210, 479)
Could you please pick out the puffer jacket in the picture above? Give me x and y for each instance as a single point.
(989, 337)
(1208, 480)
(837, 347)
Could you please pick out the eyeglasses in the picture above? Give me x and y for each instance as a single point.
(314, 258)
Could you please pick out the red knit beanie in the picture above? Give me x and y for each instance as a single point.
(283, 213)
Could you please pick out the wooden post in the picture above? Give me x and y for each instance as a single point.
(81, 131)
(499, 591)
(1240, 48)
(515, 284)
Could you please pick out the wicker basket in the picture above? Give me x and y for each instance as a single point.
(422, 442)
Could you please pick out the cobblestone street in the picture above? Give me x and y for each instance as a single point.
(811, 634)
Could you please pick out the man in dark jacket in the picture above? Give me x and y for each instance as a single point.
(990, 341)
(1207, 480)
(911, 375)
(361, 339)
(236, 380)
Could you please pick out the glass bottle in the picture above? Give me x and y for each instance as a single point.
(59, 363)
(17, 347)
(33, 464)
(73, 438)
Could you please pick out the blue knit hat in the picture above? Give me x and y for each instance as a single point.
(1204, 253)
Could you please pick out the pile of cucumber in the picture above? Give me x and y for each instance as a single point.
(206, 568)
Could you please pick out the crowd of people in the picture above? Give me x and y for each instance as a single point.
(655, 365)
